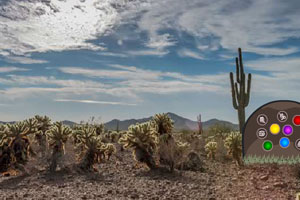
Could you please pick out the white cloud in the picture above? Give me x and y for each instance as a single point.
(121, 55)
(94, 102)
(256, 26)
(288, 64)
(111, 74)
(281, 80)
(44, 80)
(169, 87)
(41, 26)
(253, 25)
(151, 81)
(227, 56)
(120, 42)
(190, 53)
(128, 82)
(24, 60)
(25, 92)
(149, 52)
(11, 69)
(160, 41)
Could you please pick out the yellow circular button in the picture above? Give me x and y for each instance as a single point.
(274, 129)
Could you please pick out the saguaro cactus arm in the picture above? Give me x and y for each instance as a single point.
(248, 90)
(234, 99)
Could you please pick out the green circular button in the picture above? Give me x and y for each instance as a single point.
(267, 145)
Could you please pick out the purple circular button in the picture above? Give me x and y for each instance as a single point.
(287, 130)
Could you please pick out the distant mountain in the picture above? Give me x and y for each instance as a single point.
(180, 123)
(68, 123)
(7, 122)
(123, 125)
(65, 122)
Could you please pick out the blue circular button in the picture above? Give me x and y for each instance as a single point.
(284, 142)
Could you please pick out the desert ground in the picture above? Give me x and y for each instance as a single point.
(121, 178)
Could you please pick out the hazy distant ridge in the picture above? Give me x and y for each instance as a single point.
(180, 123)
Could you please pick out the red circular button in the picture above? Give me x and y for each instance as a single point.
(296, 120)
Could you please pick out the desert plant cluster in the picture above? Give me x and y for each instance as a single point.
(223, 138)
(90, 143)
(153, 144)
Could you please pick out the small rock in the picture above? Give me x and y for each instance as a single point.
(109, 191)
(240, 173)
(267, 187)
(264, 177)
(61, 186)
(84, 197)
(280, 184)
(70, 176)
(25, 195)
(134, 196)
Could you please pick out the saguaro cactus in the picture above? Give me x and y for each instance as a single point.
(199, 124)
(240, 93)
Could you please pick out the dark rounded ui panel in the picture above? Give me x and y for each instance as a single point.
(273, 130)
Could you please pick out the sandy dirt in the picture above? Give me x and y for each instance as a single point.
(123, 180)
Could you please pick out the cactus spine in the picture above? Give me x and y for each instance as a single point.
(240, 94)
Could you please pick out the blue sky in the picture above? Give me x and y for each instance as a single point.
(74, 59)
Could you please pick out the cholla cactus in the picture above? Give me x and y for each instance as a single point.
(43, 125)
(142, 138)
(92, 145)
(233, 143)
(92, 148)
(19, 143)
(3, 135)
(211, 149)
(5, 152)
(114, 136)
(81, 134)
(100, 129)
(76, 131)
(84, 133)
(58, 136)
(172, 152)
(163, 123)
(106, 137)
(220, 130)
(107, 150)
